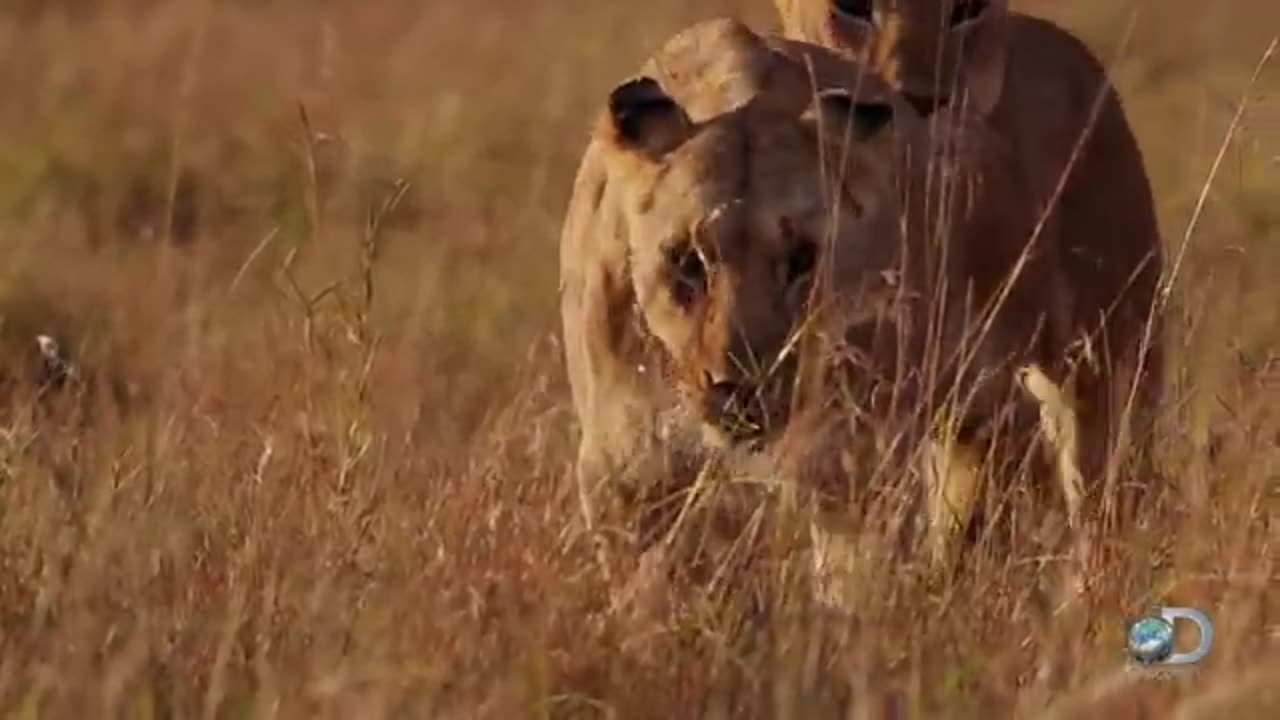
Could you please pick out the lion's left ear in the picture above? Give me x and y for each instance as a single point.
(987, 51)
(840, 112)
(646, 119)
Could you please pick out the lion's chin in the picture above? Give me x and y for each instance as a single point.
(715, 438)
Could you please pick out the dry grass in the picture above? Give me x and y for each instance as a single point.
(321, 469)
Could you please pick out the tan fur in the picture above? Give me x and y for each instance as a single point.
(739, 192)
(1036, 85)
(742, 165)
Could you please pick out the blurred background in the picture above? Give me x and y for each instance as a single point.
(305, 252)
(147, 148)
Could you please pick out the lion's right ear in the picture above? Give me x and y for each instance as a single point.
(646, 119)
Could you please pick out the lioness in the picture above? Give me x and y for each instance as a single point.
(1044, 93)
(716, 193)
(690, 247)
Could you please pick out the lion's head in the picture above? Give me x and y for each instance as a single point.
(928, 49)
(728, 223)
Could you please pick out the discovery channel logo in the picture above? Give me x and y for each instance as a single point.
(1151, 640)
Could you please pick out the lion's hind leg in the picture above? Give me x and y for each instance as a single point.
(1060, 428)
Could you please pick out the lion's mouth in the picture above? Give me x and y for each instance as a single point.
(740, 430)
(716, 437)
(734, 413)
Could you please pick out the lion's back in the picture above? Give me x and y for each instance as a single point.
(1058, 90)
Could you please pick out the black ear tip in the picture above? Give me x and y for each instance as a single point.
(637, 93)
(868, 117)
(836, 99)
(873, 116)
(645, 115)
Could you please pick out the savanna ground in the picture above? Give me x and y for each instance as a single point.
(305, 253)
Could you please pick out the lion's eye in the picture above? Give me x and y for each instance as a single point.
(856, 9)
(963, 11)
(800, 261)
(688, 274)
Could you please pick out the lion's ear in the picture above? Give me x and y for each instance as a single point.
(839, 112)
(984, 68)
(646, 119)
(787, 14)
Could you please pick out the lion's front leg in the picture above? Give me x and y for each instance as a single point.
(824, 476)
(615, 481)
(952, 471)
(829, 470)
(609, 506)
(834, 555)
(631, 485)
(595, 501)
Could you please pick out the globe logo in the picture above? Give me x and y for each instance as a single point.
(1151, 640)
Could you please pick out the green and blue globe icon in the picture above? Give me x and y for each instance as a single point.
(1151, 640)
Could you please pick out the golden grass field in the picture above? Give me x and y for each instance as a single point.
(305, 252)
